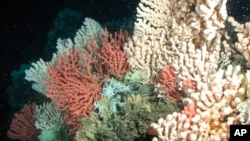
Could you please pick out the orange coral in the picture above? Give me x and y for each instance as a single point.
(73, 85)
(115, 59)
(188, 83)
(168, 80)
(189, 110)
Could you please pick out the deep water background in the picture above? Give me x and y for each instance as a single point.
(25, 25)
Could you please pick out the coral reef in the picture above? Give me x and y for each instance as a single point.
(182, 75)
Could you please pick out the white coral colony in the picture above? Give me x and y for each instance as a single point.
(190, 35)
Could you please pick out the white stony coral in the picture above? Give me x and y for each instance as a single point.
(215, 103)
(177, 126)
(162, 36)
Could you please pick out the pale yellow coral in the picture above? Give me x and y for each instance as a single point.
(189, 35)
(164, 28)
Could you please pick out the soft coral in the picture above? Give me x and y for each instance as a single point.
(168, 82)
(115, 59)
(22, 126)
(74, 84)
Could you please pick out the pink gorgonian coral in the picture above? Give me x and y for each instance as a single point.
(74, 84)
(168, 82)
(115, 59)
(22, 126)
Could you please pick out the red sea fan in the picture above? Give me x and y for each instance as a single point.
(22, 126)
(115, 59)
(74, 84)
